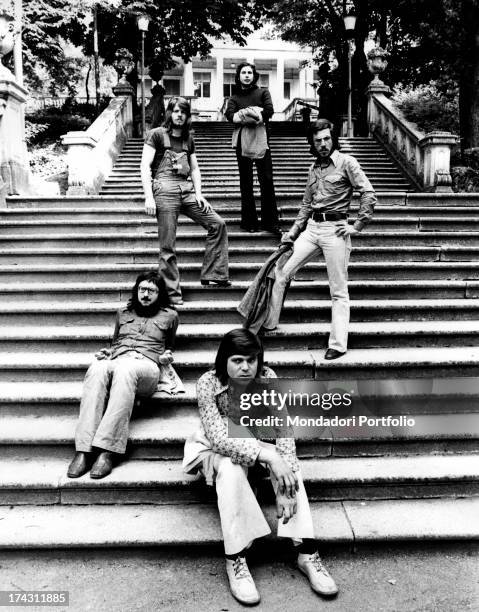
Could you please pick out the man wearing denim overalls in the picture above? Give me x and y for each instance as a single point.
(169, 158)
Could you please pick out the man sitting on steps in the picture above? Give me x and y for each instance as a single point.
(322, 225)
(142, 345)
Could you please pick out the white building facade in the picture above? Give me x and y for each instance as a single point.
(286, 69)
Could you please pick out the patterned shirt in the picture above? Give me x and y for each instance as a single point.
(330, 189)
(214, 406)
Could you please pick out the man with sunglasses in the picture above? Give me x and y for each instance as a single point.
(142, 342)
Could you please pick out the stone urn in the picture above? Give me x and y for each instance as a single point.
(377, 63)
(123, 64)
(7, 41)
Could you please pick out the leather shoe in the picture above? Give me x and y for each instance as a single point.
(102, 466)
(333, 354)
(275, 230)
(80, 465)
(218, 283)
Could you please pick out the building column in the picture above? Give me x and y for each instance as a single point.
(302, 83)
(188, 83)
(218, 94)
(280, 81)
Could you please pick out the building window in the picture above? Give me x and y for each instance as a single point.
(202, 82)
(287, 90)
(228, 84)
(172, 87)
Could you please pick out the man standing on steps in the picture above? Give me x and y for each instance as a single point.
(169, 158)
(322, 225)
(141, 354)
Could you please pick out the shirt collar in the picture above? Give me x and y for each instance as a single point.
(333, 158)
(219, 387)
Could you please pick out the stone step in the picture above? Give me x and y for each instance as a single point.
(400, 225)
(196, 238)
(396, 221)
(113, 526)
(237, 254)
(158, 482)
(224, 311)
(98, 292)
(158, 431)
(287, 340)
(228, 212)
(400, 270)
(428, 200)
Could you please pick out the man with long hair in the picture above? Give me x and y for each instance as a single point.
(322, 225)
(249, 109)
(169, 159)
(143, 341)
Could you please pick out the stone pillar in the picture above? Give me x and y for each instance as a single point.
(14, 166)
(375, 89)
(437, 156)
(188, 83)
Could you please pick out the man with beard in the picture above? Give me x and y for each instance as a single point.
(322, 225)
(142, 341)
(169, 158)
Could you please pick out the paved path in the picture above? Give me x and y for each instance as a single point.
(409, 578)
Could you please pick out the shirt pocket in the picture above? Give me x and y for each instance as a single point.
(128, 325)
(333, 182)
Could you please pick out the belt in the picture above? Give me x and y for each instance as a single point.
(333, 216)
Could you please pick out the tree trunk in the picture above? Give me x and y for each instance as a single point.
(469, 78)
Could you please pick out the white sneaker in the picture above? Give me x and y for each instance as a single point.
(242, 584)
(319, 577)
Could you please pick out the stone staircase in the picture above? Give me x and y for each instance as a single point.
(66, 264)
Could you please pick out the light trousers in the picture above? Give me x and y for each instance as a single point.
(108, 397)
(242, 519)
(336, 250)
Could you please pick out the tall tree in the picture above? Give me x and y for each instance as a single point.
(427, 40)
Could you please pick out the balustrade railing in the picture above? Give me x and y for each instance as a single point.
(91, 154)
(292, 111)
(424, 157)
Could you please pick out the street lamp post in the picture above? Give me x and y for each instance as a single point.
(349, 24)
(143, 21)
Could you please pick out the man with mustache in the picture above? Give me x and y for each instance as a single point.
(143, 341)
(322, 225)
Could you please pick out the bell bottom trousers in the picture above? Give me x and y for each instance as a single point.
(336, 250)
(269, 211)
(171, 199)
(242, 519)
(108, 397)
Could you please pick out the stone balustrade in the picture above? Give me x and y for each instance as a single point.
(91, 154)
(424, 157)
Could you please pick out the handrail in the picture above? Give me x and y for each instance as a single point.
(425, 158)
(91, 154)
(291, 109)
(222, 109)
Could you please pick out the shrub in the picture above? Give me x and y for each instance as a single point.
(55, 124)
(429, 108)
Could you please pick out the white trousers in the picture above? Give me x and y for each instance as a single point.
(336, 250)
(242, 519)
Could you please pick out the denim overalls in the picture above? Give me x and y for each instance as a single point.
(174, 193)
